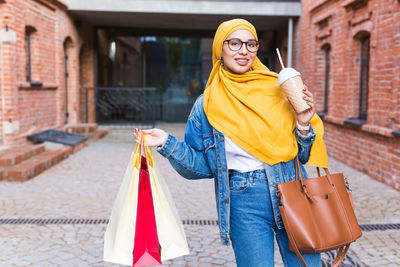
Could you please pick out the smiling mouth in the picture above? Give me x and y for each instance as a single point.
(242, 61)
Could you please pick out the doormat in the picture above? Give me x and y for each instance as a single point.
(59, 137)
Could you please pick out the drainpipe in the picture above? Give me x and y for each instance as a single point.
(66, 74)
(290, 43)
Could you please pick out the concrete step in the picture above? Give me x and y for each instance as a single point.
(15, 155)
(35, 165)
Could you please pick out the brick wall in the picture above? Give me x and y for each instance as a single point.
(370, 147)
(26, 109)
(39, 110)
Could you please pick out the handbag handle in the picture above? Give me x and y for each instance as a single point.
(303, 186)
(325, 169)
(297, 165)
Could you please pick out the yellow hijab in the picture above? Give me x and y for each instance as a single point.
(251, 108)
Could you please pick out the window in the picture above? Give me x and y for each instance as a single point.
(29, 31)
(364, 77)
(363, 45)
(327, 51)
(30, 55)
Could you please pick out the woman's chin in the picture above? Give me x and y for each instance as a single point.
(239, 69)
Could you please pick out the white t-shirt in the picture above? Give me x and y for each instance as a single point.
(238, 159)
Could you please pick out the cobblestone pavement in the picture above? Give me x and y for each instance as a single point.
(85, 185)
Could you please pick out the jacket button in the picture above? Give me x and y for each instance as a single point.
(221, 139)
(223, 169)
(226, 200)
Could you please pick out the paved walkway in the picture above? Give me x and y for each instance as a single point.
(85, 185)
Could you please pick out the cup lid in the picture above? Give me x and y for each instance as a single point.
(286, 74)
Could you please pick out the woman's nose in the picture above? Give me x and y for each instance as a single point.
(243, 50)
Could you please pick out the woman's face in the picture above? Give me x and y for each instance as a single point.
(241, 60)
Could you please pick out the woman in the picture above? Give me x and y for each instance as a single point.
(242, 132)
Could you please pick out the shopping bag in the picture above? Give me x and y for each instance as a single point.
(120, 233)
(171, 234)
(146, 249)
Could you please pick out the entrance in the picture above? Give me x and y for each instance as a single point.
(145, 77)
(142, 78)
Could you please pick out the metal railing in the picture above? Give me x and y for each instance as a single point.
(123, 104)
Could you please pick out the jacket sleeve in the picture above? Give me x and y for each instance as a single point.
(304, 143)
(188, 157)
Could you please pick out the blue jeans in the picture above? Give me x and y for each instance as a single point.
(253, 226)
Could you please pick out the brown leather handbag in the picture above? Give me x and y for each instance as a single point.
(318, 214)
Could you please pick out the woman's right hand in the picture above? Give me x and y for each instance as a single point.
(154, 137)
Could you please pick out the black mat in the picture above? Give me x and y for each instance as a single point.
(58, 137)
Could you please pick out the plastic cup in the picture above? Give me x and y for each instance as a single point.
(292, 84)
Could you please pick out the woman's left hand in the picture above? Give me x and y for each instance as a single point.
(304, 117)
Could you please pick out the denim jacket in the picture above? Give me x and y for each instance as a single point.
(202, 155)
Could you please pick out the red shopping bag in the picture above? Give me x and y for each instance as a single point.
(146, 250)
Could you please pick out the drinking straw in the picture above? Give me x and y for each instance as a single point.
(280, 58)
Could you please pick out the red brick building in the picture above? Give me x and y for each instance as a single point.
(348, 52)
(46, 60)
(349, 56)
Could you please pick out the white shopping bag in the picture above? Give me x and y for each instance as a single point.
(120, 233)
(171, 234)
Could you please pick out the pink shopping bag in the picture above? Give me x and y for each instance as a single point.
(146, 249)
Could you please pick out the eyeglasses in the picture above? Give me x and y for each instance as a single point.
(236, 44)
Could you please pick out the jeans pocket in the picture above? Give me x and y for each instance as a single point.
(238, 184)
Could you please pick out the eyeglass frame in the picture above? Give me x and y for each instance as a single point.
(237, 39)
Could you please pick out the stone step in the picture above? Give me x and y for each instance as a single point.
(98, 134)
(35, 165)
(74, 149)
(15, 155)
(81, 128)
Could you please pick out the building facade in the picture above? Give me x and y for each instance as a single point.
(43, 55)
(69, 62)
(349, 56)
(72, 61)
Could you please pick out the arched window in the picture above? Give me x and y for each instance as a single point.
(364, 77)
(327, 50)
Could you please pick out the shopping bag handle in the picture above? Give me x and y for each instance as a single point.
(143, 149)
(139, 151)
(148, 153)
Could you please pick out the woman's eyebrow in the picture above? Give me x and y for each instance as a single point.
(241, 39)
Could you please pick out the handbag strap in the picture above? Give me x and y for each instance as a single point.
(339, 257)
(294, 246)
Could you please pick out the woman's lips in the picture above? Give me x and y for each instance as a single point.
(242, 61)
